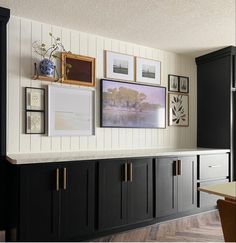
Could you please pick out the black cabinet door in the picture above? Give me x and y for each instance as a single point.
(112, 194)
(77, 200)
(140, 190)
(166, 186)
(187, 184)
(39, 203)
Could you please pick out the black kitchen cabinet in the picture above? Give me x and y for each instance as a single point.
(176, 185)
(56, 201)
(216, 86)
(125, 192)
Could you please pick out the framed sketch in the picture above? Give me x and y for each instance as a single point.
(34, 122)
(77, 69)
(119, 66)
(34, 99)
(178, 110)
(173, 83)
(70, 111)
(183, 84)
(148, 71)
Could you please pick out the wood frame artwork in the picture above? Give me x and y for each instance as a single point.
(77, 69)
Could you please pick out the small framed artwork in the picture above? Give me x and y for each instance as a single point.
(34, 122)
(173, 83)
(70, 111)
(119, 66)
(183, 84)
(77, 69)
(148, 71)
(178, 110)
(34, 99)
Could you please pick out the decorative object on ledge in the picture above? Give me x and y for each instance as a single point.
(77, 69)
(178, 110)
(183, 84)
(46, 65)
(70, 111)
(35, 110)
(173, 83)
(35, 122)
(132, 105)
(148, 71)
(119, 66)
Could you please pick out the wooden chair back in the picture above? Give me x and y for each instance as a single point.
(227, 211)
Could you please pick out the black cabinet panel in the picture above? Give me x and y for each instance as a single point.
(39, 204)
(166, 187)
(77, 200)
(112, 194)
(140, 191)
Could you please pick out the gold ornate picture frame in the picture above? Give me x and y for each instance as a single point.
(77, 69)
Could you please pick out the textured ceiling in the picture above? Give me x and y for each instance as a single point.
(190, 27)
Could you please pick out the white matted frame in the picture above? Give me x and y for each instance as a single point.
(119, 66)
(148, 71)
(70, 111)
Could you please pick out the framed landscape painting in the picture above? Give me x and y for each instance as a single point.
(132, 105)
(119, 66)
(178, 110)
(148, 71)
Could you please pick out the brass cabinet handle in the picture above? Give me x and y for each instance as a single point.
(64, 178)
(126, 172)
(179, 167)
(214, 166)
(131, 172)
(57, 179)
(175, 168)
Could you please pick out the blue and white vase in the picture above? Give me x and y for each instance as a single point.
(46, 67)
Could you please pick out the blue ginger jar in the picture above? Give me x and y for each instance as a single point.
(46, 67)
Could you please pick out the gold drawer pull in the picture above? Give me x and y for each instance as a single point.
(57, 179)
(125, 172)
(64, 178)
(214, 166)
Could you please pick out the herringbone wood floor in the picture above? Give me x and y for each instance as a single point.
(204, 227)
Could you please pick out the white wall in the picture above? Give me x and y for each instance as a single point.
(23, 32)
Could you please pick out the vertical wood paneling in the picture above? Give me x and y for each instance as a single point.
(22, 33)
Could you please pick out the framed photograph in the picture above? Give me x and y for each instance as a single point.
(132, 105)
(34, 99)
(148, 71)
(173, 83)
(183, 84)
(77, 69)
(119, 66)
(70, 111)
(178, 110)
(34, 122)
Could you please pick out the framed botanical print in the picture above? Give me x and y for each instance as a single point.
(173, 83)
(178, 110)
(34, 122)
(148, 71)
(77, 69)
(119, 66)
(183, 84)
(34, 99)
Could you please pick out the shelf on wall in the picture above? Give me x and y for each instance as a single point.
(45, 78)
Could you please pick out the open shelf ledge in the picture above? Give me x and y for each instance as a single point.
(45, 78)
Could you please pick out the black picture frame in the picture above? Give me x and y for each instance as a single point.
(41, 111)
(187, 85)
(169, 83)
(132, 83)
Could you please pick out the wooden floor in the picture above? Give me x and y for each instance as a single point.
(198, 228)
(204, 227)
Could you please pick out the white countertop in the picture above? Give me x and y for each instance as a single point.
(35, 158)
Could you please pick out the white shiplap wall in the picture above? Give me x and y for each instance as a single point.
(23, 32)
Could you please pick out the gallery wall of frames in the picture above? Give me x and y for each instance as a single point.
(71, 112)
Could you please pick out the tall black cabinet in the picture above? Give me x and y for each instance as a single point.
(4, 17)
(216, 85)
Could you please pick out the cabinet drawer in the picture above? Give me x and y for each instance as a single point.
(213, 166)
(206, 199)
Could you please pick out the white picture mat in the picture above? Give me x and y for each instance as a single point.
(143, 61)
(70, 111)
(110, 57)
